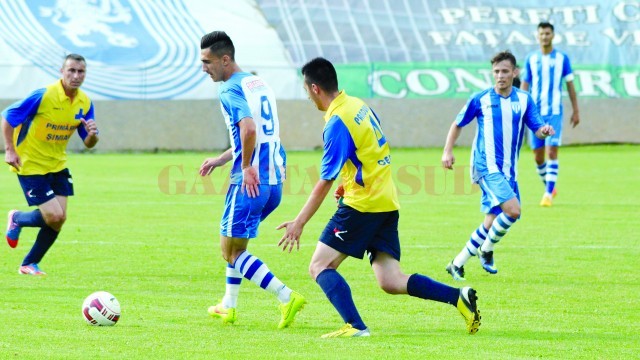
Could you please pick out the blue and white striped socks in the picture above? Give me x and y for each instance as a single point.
(471, 247)
(234, 279)
(551, 176)
(499, 228)
(255, 270)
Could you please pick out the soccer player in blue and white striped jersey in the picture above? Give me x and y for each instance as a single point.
(502, 112)
(249, 108)
(544, 72)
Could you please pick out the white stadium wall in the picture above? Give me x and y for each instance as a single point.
(416, 64)
(198, 125)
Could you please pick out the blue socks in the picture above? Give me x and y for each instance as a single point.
(46, 237)
(339, 294)
(429, 289)
(29, 218)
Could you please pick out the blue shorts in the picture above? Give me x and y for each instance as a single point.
(352, 232)
(555, 140)
(496, 189)
(242, 214)
(38, 189)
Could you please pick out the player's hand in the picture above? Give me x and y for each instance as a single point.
(575, 119)
(448, 160)
(250, 181)
(291, 237)
(12, 158)
(208, 165)
(547, 131)
(90, 126)
(339, 193)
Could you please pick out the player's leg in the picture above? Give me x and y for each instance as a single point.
(489, 204)
(505, 194)
(54, 214)
(553, 168)
(37, 190)
(242, 223)
(51, 196)
(348, 233)
(226, 308)
(538, 147)
(17, 219)
(456, 267)
(324, 270)
(393, 281)
(255, 270)
(233, 276)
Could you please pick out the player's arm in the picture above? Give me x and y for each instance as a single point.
(12, 117)
(525, 76)
(464, 117)
(90, 127)
(534, 122)
(88, 131)
(250, 180)
(211, 163)
(294, 228)
(338, 144)
(575, 117)
(11, 157)
(447, 154)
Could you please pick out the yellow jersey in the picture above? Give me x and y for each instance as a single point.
(43, 123)
(356, 149)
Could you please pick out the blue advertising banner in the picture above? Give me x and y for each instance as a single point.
(135, 47)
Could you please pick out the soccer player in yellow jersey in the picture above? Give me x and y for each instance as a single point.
(36, 132)
(356, 149)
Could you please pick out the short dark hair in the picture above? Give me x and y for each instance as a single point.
(219, 43)
(546, 25)
(76, 57)
(321, 72)
(504, 55)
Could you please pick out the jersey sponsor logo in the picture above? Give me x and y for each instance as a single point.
(255, 85)
(337, 232)
(121, 39)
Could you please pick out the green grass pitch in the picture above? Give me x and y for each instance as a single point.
(145, 228)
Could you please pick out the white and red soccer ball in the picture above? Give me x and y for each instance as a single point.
(101, 309)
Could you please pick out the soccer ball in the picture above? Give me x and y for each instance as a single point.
(101, 309)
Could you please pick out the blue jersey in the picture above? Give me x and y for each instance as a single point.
(246, 95)
(545, 73)
(500, 131)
